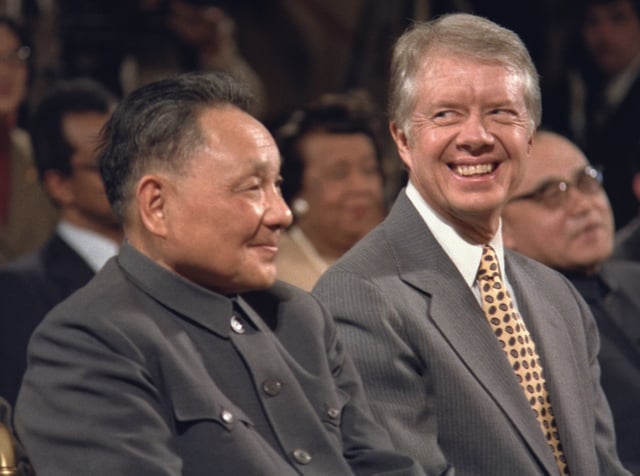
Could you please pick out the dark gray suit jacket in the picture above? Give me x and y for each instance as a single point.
(144, 373)
(434, 372)
(29, 288)
(613, 295)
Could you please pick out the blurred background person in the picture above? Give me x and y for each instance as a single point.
(599, 103)
(65, 129)
(627, 240)
(26, 215)
(333, 182)
(560, 216)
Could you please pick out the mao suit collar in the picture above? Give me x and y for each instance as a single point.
(210, 310)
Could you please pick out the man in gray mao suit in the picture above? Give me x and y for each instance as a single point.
(181, 356)
(464, 106)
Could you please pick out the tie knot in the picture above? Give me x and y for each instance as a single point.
(488, 268)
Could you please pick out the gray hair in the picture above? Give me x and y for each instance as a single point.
(464, 35)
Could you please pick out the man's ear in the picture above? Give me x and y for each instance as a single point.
(151, 198)
(530, 143)
(58, 187)
(402, 143)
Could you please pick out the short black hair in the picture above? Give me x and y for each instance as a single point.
(335, 113)
(51, 148)
(157, 126)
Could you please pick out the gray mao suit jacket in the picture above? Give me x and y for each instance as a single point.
(434, 372)
(144, 373)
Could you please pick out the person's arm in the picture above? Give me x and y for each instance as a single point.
(367, 446)
(395, 382)
(88, 404)
(608, 460)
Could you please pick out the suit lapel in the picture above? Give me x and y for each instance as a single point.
(455, 312)
(554, 344)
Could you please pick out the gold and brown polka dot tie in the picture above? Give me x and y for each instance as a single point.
(518, 347)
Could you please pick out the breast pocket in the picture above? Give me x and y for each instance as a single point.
(206, 403)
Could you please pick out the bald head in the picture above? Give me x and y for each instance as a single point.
(559, 214)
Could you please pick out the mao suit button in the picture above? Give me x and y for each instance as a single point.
(301, 456)
(333, 413)
(226, 416)
(237, 325)
(272, 387)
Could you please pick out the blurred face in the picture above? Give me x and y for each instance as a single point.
(87, 204)
(13, 73)
(342, 183)
(568, 227)
(612, 35)
(224, 214)
(469, 138)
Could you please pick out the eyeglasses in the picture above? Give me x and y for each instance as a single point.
(16, 58)
(554, 193)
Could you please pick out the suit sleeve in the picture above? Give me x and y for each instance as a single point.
(605, 440)
(86, 395)
(392, 372)
(367, 446)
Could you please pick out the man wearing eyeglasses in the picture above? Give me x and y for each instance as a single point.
(560, 216)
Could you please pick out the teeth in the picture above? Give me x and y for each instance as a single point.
(469, 170)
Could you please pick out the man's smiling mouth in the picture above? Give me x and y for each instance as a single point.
(474, 170)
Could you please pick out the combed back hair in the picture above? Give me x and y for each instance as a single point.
(156, 128)
(51, 148)
(351, 112)
(458, 34)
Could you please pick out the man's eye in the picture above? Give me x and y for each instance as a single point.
(447, 116)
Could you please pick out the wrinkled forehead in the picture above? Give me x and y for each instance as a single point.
(552, 158)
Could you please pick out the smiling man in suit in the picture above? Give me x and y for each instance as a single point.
(184, 356)
(64, 132)
(477, 360)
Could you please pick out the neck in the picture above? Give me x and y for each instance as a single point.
(477, 233)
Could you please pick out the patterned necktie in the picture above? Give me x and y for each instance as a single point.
(518, 347)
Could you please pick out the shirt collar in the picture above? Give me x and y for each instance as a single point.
(93, 247)
(465, 256)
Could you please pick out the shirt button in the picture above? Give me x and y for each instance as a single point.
(272, 387)
(237, 325)
(226, 416)
(333, 413)
(301, 456)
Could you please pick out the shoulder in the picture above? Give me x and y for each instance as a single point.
(368, 256)
(290, 305)
(26, 271)
(534, 278)
(621, 273)
(284, 300)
